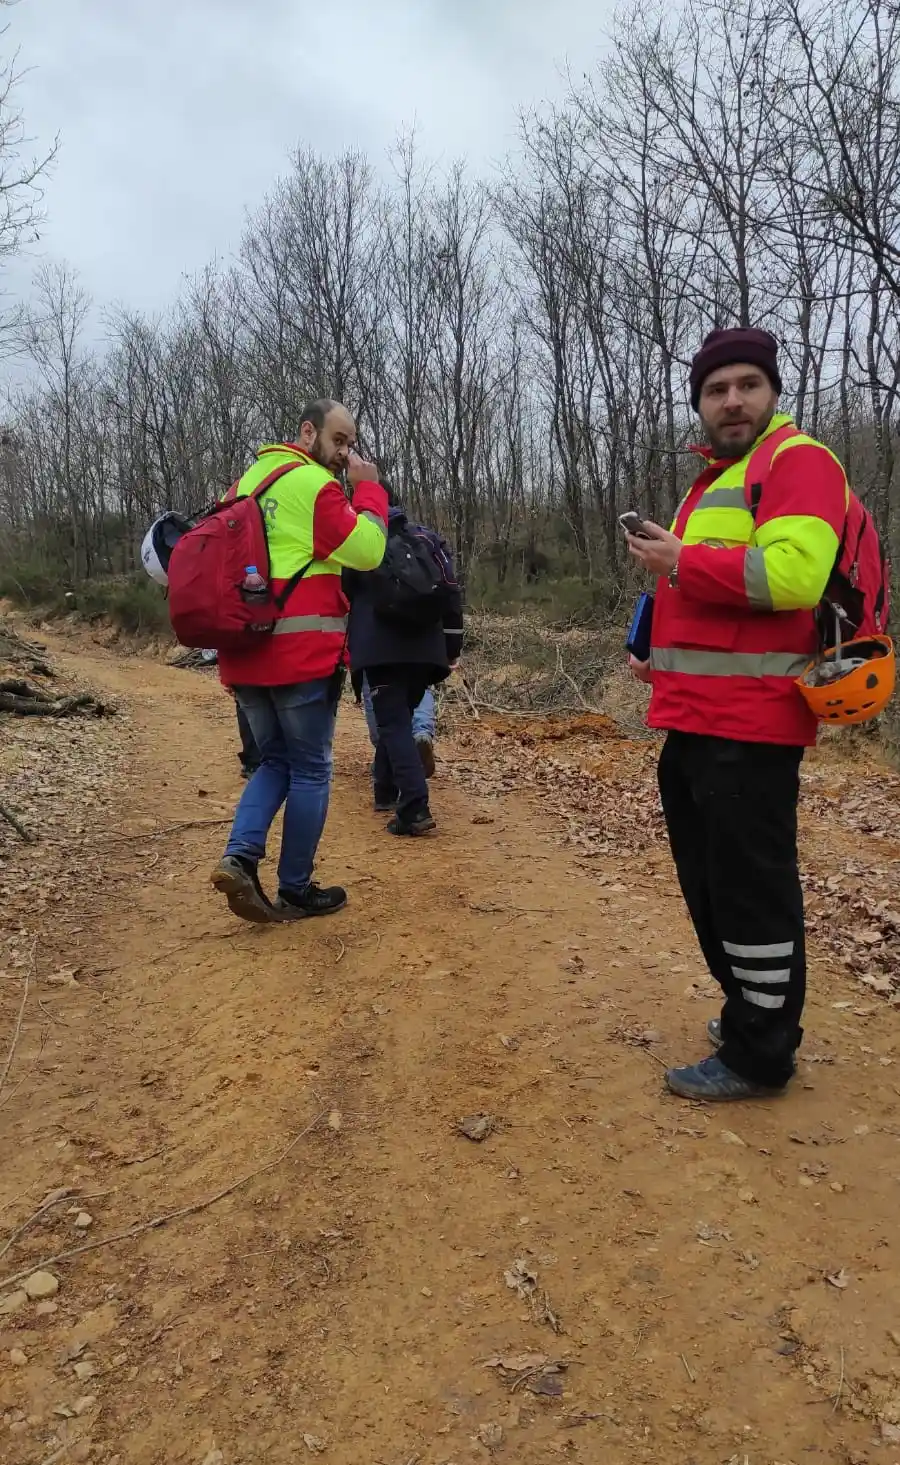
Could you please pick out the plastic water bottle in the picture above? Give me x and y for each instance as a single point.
(255, 591)
(253, 587)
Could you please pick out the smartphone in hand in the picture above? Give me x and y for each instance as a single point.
(632, 523)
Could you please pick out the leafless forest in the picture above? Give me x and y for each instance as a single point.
(515, 346)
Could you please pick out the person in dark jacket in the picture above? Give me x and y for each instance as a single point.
(399, 663)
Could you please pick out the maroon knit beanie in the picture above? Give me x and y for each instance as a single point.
(726, 348)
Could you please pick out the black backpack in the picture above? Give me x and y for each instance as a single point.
(410, 587)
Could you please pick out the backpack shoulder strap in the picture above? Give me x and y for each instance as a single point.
(760, 464)
(272, 478)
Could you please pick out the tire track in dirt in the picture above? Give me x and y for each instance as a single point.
(350, 1297)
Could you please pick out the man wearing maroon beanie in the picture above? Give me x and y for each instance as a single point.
(740, 576)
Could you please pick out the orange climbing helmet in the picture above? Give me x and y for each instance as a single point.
(851, 683)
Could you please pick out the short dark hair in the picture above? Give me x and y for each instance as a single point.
(316, 412)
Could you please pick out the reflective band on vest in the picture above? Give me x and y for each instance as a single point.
(724, 498)
(290, 624)
(727, 663)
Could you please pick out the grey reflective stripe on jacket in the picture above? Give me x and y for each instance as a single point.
(291, 624)
(728, 663)
(723, 498)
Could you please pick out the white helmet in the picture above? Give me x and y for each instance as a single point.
(159, 541)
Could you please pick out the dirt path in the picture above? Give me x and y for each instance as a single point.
(349, 1301)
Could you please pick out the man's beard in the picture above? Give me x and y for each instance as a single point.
(724, 447)
(315, 452)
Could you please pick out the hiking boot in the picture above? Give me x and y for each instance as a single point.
(238, 881)
(712, 1081)
(313, 901)
(425, 745)
(421, 823)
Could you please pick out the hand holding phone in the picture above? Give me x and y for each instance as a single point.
(633, 524)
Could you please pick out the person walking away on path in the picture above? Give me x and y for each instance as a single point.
(733, 627)
(400, 651)
(423, 728)
(287, 684)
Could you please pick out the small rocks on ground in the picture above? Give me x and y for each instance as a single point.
(84, 1405)
(477, 1127)
(40, 1285)
(14, 1302)
(46, 1309)
(83, 1221)
(17, 1358)
(215, 1457)
(84, 1370)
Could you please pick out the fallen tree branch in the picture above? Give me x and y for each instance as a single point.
(164, 1220)
(41, 1211)
(42, 706)
(17, 1029)
(170, 829)
(20, 829)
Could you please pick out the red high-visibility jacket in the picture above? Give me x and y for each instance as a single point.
(307, 519)
(729, 641)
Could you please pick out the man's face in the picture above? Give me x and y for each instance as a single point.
(332, 444)
(737, 403)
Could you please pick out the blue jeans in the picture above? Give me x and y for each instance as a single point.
(293, 727)
(423, 717)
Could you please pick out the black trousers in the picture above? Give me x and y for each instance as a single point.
(249, 754)
(396, 693)
(731, 813)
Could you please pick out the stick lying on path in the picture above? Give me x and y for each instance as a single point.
(191, 1210)
(17, 1029)
(20, 829)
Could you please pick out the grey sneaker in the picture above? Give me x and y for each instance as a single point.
(239, 883)
(425, 746)
(712, 1081)
(714, 1031)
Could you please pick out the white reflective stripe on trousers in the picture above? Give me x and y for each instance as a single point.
(763, 999)
(768, 949)
(763, 979)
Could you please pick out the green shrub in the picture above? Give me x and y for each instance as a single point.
(33, 583)
(133, 603)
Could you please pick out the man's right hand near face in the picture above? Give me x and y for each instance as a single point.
(360, 471)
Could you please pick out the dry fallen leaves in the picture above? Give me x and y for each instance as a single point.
(535, 1372)
(838, 1279)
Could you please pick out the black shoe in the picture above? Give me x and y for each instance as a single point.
(313, 901)
(238, 881)
(421, 823)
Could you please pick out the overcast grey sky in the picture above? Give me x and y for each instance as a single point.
(176, 116)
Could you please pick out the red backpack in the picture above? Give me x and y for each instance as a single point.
(858, 589)
(207, 569)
